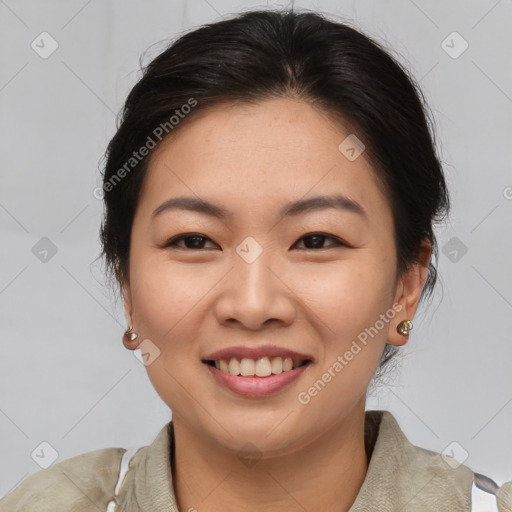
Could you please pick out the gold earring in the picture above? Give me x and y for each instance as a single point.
(404, 327)
(131, 335)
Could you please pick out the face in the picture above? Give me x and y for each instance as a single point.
(320, 281)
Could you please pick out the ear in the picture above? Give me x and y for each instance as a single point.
(408, 291)
(127, 302)
(125, 292)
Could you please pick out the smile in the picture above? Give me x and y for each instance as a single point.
(251, 385)
(262, 367)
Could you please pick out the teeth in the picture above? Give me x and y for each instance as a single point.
(234, 366)
(262, 367)
(247, 367)
(287, 364)
(277, 365)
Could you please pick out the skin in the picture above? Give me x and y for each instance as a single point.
(192, 300)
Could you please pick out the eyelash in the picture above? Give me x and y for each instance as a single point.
(174, 241)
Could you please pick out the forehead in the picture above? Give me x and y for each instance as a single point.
(251, 156)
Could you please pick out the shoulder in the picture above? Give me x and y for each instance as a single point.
(435, 481)
(76, 483)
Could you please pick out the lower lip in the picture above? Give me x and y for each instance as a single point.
(256, 387)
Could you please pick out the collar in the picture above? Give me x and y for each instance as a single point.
(400, 476)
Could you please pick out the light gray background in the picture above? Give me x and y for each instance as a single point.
(65, 377)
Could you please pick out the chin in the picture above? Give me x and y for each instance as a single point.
(257, 437)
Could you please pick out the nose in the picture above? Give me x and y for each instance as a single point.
(255, 295)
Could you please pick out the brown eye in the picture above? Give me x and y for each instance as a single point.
(316, 241)
(192, 241)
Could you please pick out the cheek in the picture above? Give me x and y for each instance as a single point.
(164, 294)
(346, 304)
(346, 297)
(346, 308)
(167, 302)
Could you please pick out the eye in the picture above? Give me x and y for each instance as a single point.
(317, 239)
(196, 241)
(191, 240)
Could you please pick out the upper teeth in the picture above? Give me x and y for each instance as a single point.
(260, 367)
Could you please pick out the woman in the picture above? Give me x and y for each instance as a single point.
(270, 197)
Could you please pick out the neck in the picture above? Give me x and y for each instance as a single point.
(325, 475)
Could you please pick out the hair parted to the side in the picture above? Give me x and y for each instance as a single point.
(280, 53)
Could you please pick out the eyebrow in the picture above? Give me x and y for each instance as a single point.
(292, 209)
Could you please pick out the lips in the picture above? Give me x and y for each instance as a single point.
(256, 387)
(290, 365)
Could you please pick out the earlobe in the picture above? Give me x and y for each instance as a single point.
(129, 337)
(395, 337)
(408, 296)
(399, 332)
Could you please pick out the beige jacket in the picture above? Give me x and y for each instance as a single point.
(401, 477)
